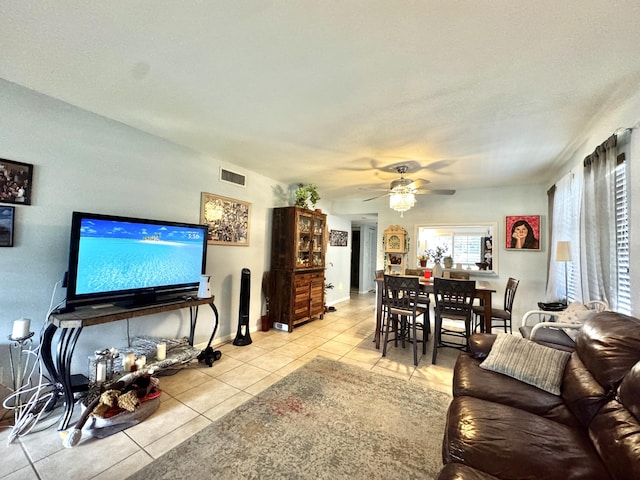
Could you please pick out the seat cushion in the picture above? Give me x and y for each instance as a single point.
(507, 442)
(550, 337)
(471, 380)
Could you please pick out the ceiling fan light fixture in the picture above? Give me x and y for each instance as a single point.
(402, 200)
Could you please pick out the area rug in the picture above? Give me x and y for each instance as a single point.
(326, 420)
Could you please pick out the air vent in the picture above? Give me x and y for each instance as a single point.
(232, 177)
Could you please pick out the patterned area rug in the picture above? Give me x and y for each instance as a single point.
(326, 420)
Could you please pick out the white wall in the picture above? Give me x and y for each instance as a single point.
(85, 162)
(338, 262)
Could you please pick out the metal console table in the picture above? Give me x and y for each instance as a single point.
(64, 330)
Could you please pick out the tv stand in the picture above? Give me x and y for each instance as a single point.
(65, 329)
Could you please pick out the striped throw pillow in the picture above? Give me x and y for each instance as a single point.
(528, 362)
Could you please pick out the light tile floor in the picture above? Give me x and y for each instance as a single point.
(197, 395)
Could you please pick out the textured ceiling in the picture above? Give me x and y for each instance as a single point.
(469, 93)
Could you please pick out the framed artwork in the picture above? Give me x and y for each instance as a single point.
(227, 219)
(338, 238)
(522, 232)
(6, 226)
(15, 182)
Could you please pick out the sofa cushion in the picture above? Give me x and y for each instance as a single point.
(527, 361)
(470, 379)
(507, 442)
(615, 432)
(629, 391)
(609, 345)
(581, 393)
(457, 471)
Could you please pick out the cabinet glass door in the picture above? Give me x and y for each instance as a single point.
(304, 240)
(318, 242)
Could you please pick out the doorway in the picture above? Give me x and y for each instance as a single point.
(355, 259)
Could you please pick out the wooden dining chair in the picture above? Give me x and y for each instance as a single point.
(402, 314)
(454, 302)
(500, 316)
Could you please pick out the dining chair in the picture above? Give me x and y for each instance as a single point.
(454, 302)
(500, 315)
(403, 315)
(423, 298)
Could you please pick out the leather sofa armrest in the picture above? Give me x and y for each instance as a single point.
(480, 344)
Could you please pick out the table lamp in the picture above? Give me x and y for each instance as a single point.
(563, 254)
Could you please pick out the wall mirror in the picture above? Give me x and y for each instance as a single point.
(470, 246)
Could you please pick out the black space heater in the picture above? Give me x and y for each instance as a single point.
(243, 337)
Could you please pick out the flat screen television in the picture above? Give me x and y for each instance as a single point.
(132, 261)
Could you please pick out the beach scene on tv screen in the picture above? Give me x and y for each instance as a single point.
(116, 255)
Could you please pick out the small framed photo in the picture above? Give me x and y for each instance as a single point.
(15, 182)
(6, 225)
(338, 238)
(522, 232)
(227, 219)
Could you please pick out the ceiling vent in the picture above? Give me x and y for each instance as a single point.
(233, 177)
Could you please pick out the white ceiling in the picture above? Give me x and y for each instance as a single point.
(478, 93)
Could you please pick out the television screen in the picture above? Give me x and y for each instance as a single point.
(116, 259)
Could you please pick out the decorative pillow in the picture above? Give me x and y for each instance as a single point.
(528, 362)
(576, 313)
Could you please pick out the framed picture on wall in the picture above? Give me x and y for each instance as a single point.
(15, 182)
(227, 219)
(522, 232)
(338, 238)
(6, 226)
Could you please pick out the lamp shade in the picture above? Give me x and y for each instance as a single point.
(563, 251)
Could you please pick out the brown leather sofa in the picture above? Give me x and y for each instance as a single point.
(501, 428)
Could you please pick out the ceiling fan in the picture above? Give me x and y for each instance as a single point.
(406, 185)
(402, 191)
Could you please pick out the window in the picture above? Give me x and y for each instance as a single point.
(622, 237)
(468, 245)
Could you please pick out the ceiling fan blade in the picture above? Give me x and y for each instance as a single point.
(416, 184)
(377, 196)
(436, 192)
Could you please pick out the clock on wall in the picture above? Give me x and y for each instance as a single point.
(395, 239)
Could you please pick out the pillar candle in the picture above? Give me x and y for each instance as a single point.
(128, 361)
(20, 328)
(101, 372)
(161, 351)
(141, 361)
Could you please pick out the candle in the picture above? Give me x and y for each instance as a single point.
(128, 361)
(20, 328)
(161, 351)
(141, 361)
(101, 372)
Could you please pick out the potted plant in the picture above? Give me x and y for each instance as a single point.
(437, 254)
(423, 259)
(328, 286)
(305, 195)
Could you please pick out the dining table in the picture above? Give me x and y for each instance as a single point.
(484, 292)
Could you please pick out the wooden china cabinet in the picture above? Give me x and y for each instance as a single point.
(298, 249)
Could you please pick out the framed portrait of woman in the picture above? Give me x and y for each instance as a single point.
(522, 232)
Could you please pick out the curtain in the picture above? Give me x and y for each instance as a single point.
(565, 226)
(598, 242)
